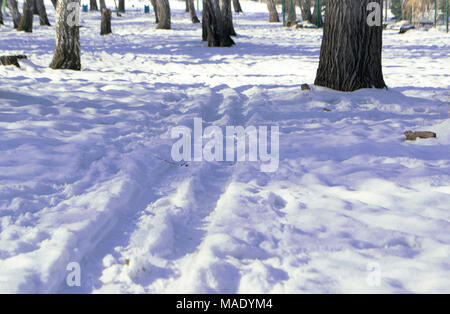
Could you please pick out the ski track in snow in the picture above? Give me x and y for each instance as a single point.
(86, 174)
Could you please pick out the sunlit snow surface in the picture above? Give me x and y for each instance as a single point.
(86, 173)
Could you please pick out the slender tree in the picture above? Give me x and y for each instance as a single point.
(26, 21)
(105, 26)
(163, 11)
(93, 5)
(155, 9)
(350, 56)
(14, 8)
(42, 12)
(1, 15)
(187, 5)
(305, 6)
(317, 16)
(213, 26)
(227, 16)
(237, 6)
(191, 9)
(273, 14)
(290, 8)
(122, 6)
(67, 51)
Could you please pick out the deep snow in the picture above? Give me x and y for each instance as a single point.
(86, 173)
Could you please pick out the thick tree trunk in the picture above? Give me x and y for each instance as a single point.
(67, 52)
(273, 14)
(192, 12)
(163, 14)
(237, 6)
(291, 15)
(93, 5)
(350, 57)
(105, 27)
(227, 15)
(122, 6)
(42, 12)
(26, 21)
(317, 16)
(214, 30)
(102, 4)
(14, 8)
(155, 8)
(305, 6)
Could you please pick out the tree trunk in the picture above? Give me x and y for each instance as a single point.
(214, 31)
(26, 21)
(237, 6)
(317, 16)
(54, 3)
(305, 6)
(163, 14)
(105, 27)
(227, 16)
(1, 15)
(40, 8)
(350, 56)
(155, 8)
(191, 9)
(67, 52)
(14, 8)
(102, 4)
(273, 14)
(290, 9)
(187, 5)
(93, 5)
(122, 6)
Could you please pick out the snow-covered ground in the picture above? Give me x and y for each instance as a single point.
(86, 173)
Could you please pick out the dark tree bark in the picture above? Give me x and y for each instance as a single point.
(93, 5)
(102, 4)
(214, 31)
(155, 8)
(291, 15)
(122, 6)
(227, 16)
(305, 6)
(237, 6)
(105, 27)
(192, 12)
(163, 12)
(1, 15)
(54, 3)
(26, 21)
(42, 12)
(187, 5)
(350, 57)
(273, 14)
(317, 16)
(67, 52)
(14, 8)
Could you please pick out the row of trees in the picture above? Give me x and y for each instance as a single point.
(350, 56)
(415, 9)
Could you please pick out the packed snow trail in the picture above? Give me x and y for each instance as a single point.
(86, 173)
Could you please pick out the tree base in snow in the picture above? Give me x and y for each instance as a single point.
(11, 60)
(105, 27)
